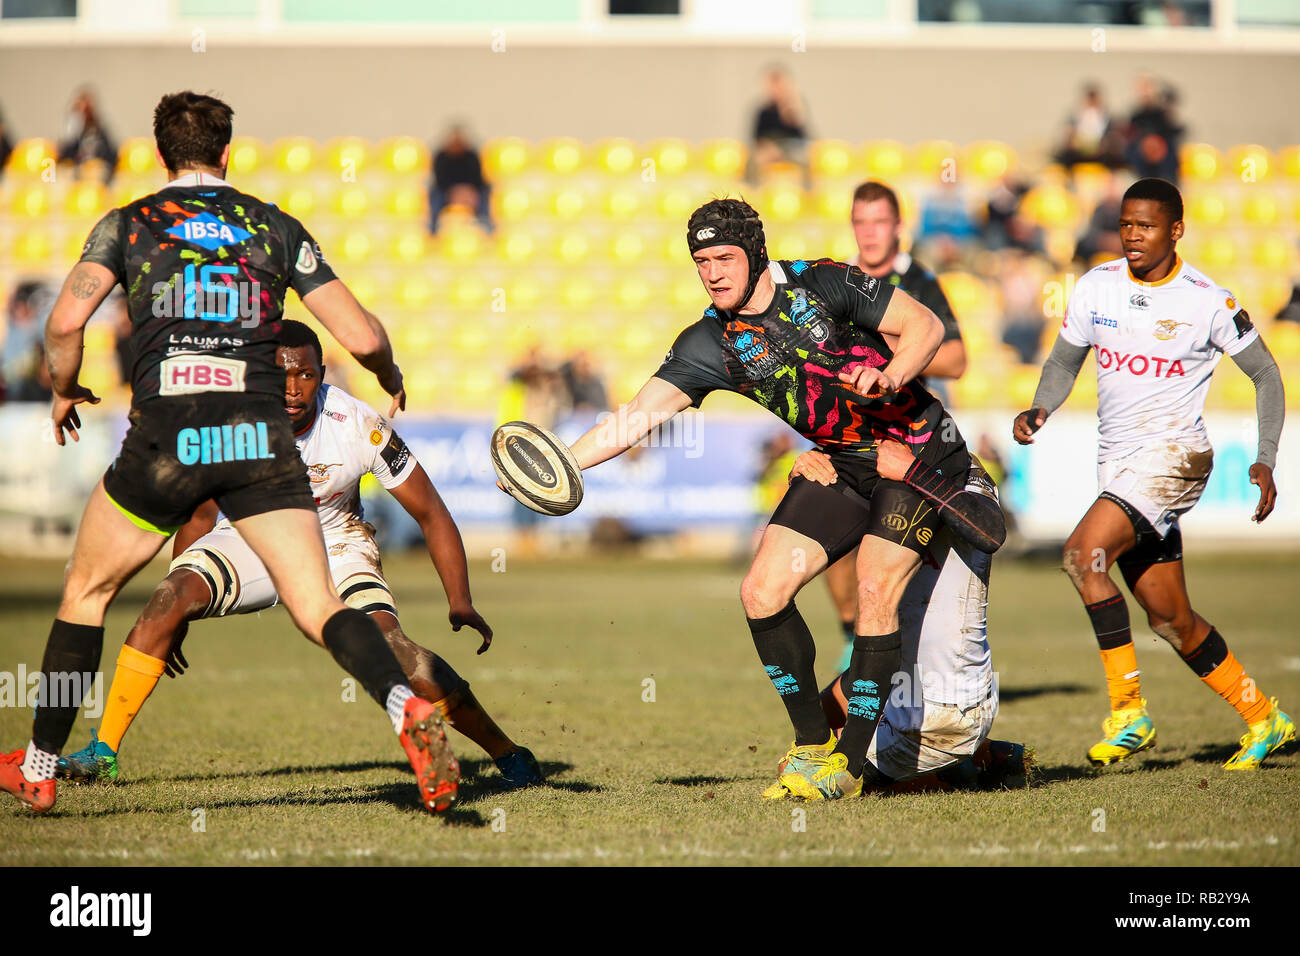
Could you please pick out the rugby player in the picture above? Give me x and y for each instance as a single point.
(206, 269)
(214, 573)
(806, 341)
(878, 229)
(1159, 328)
(934, 732)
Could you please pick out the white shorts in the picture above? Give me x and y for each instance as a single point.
(1159, 483)
(916, 739)
(239, 582)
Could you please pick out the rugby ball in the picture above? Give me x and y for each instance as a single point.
(536, 468)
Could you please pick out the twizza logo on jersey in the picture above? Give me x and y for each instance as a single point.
(1139, 365)
(213, 444)
(187, 374)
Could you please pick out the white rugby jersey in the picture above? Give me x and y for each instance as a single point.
(347, 440)
(1157, 344)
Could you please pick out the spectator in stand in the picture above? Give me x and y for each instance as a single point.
(1100, 241)
(1091, 136)
(6, 145)
(1005, 227)
(85, 137)
(585, 387)
(458, 180)
(780, 126)
(1022, 311)
(22, 360)
(1154, 134)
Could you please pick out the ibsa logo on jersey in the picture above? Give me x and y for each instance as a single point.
(208, 231)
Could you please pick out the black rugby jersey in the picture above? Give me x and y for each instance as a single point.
(206, 269)
(824, 318)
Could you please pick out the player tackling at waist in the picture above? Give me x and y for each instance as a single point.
(215, 574)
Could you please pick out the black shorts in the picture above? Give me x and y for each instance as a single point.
(179, 452)
(838, 516)
(1150, 547)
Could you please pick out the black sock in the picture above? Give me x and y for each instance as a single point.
(850, 630)
(67, 670)
(358, 646)
(1209, 654)
(786, 648)
(866, 686)
(1110, 622)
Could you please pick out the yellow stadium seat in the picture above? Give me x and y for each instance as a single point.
(346, 157)
(989, 159)
(974, 389)
(885, 159)
(1288, 161)
(834, 203)
(415, 291)
(568, 204)
(831, 158)
(562, 155)
(33, 157)
(294, 154)
(461, 242)
(1249, 163)
(627, 249)
(85, 199)
(1218, 252)
(356, 247)
(512, 204)
(781, 203)
(136, 156)
(632, 292)
(33, 247)
(245, 155)
(1199, 161)
(674, 249)
(406, 202)
(1051, 207)
(404, 155)
(468, 291)
(936, 160)
(408, 246)
(1272, 294)
(675, 205)
(578, 292)
(299, 202)
(687, 293)
(843, 247)
(965, 293)
(31, 201)
(351, 202)
(617, 156)
(1206, 208)
(364, 288)
(572, 248)
(790, 246)
(724, 158)
(503, 158)
(1261, 208)
(621, 204)
(1273, 251)
(1284, 340)
(471, 339)
(73, 244)
(671, 157)
(523, 292)
(517, 247)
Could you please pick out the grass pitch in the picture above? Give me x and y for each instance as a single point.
(254, 757)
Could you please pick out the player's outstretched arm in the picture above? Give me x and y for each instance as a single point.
(1054, 387)
(85, 288)
(423, 503)
(975, 518)
(360, 332)
(1270, 407)
(655, 404)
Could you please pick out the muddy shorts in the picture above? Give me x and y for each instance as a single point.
(916, 739)
(181, 451)
(1154, 486)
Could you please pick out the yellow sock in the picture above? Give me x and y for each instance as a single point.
(1122, 674)
(1230, 681)
(134, 680)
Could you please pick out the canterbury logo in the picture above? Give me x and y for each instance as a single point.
(707, 233)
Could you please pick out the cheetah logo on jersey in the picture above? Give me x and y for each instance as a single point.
(319, 474)
(1166, 329)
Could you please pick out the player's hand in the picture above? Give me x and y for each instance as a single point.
(467, 616)
(869, 382)
(1262, 475)
(64, 412)
(176, 663)
(1027, 423)
(815, 466)
(392, 384)
(893, 459)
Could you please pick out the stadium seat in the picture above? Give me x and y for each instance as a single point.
(632, 292)
(885, 159)
(298, 202)
(31, 201)
(294, 155)
(86, 199)
(1284, 341)
(136, 156)
(572, 248)
(504, 158)
(567, 204)
(356, 247)
(627, 249)
(988, 160)
(671, 157)
(562, 155)
(1273, 251)
(245, 155)
(936, 160)
(1218, 252)
(460, 242)
(617, 156)
(512, 204)
(833, 203)
(842, 246)
(1249, 163)
(621, 204)
(415, 291)
(724, 158)
(32, 248)
(406, 202)
(676, 204)
(347, 156)
(1199, 161)
(1261, 208)
(33, 157)
(1052, 207)
(578, 292)
(831, 158)
(1206, 207)
(1288, 161)
(792, 245)
(523, 292)
(404, 156)
(467, 290)
(351, 202)
(517, 246)
(408, 246)
(781, 202)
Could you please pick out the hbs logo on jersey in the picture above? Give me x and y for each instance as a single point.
(208, 231)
